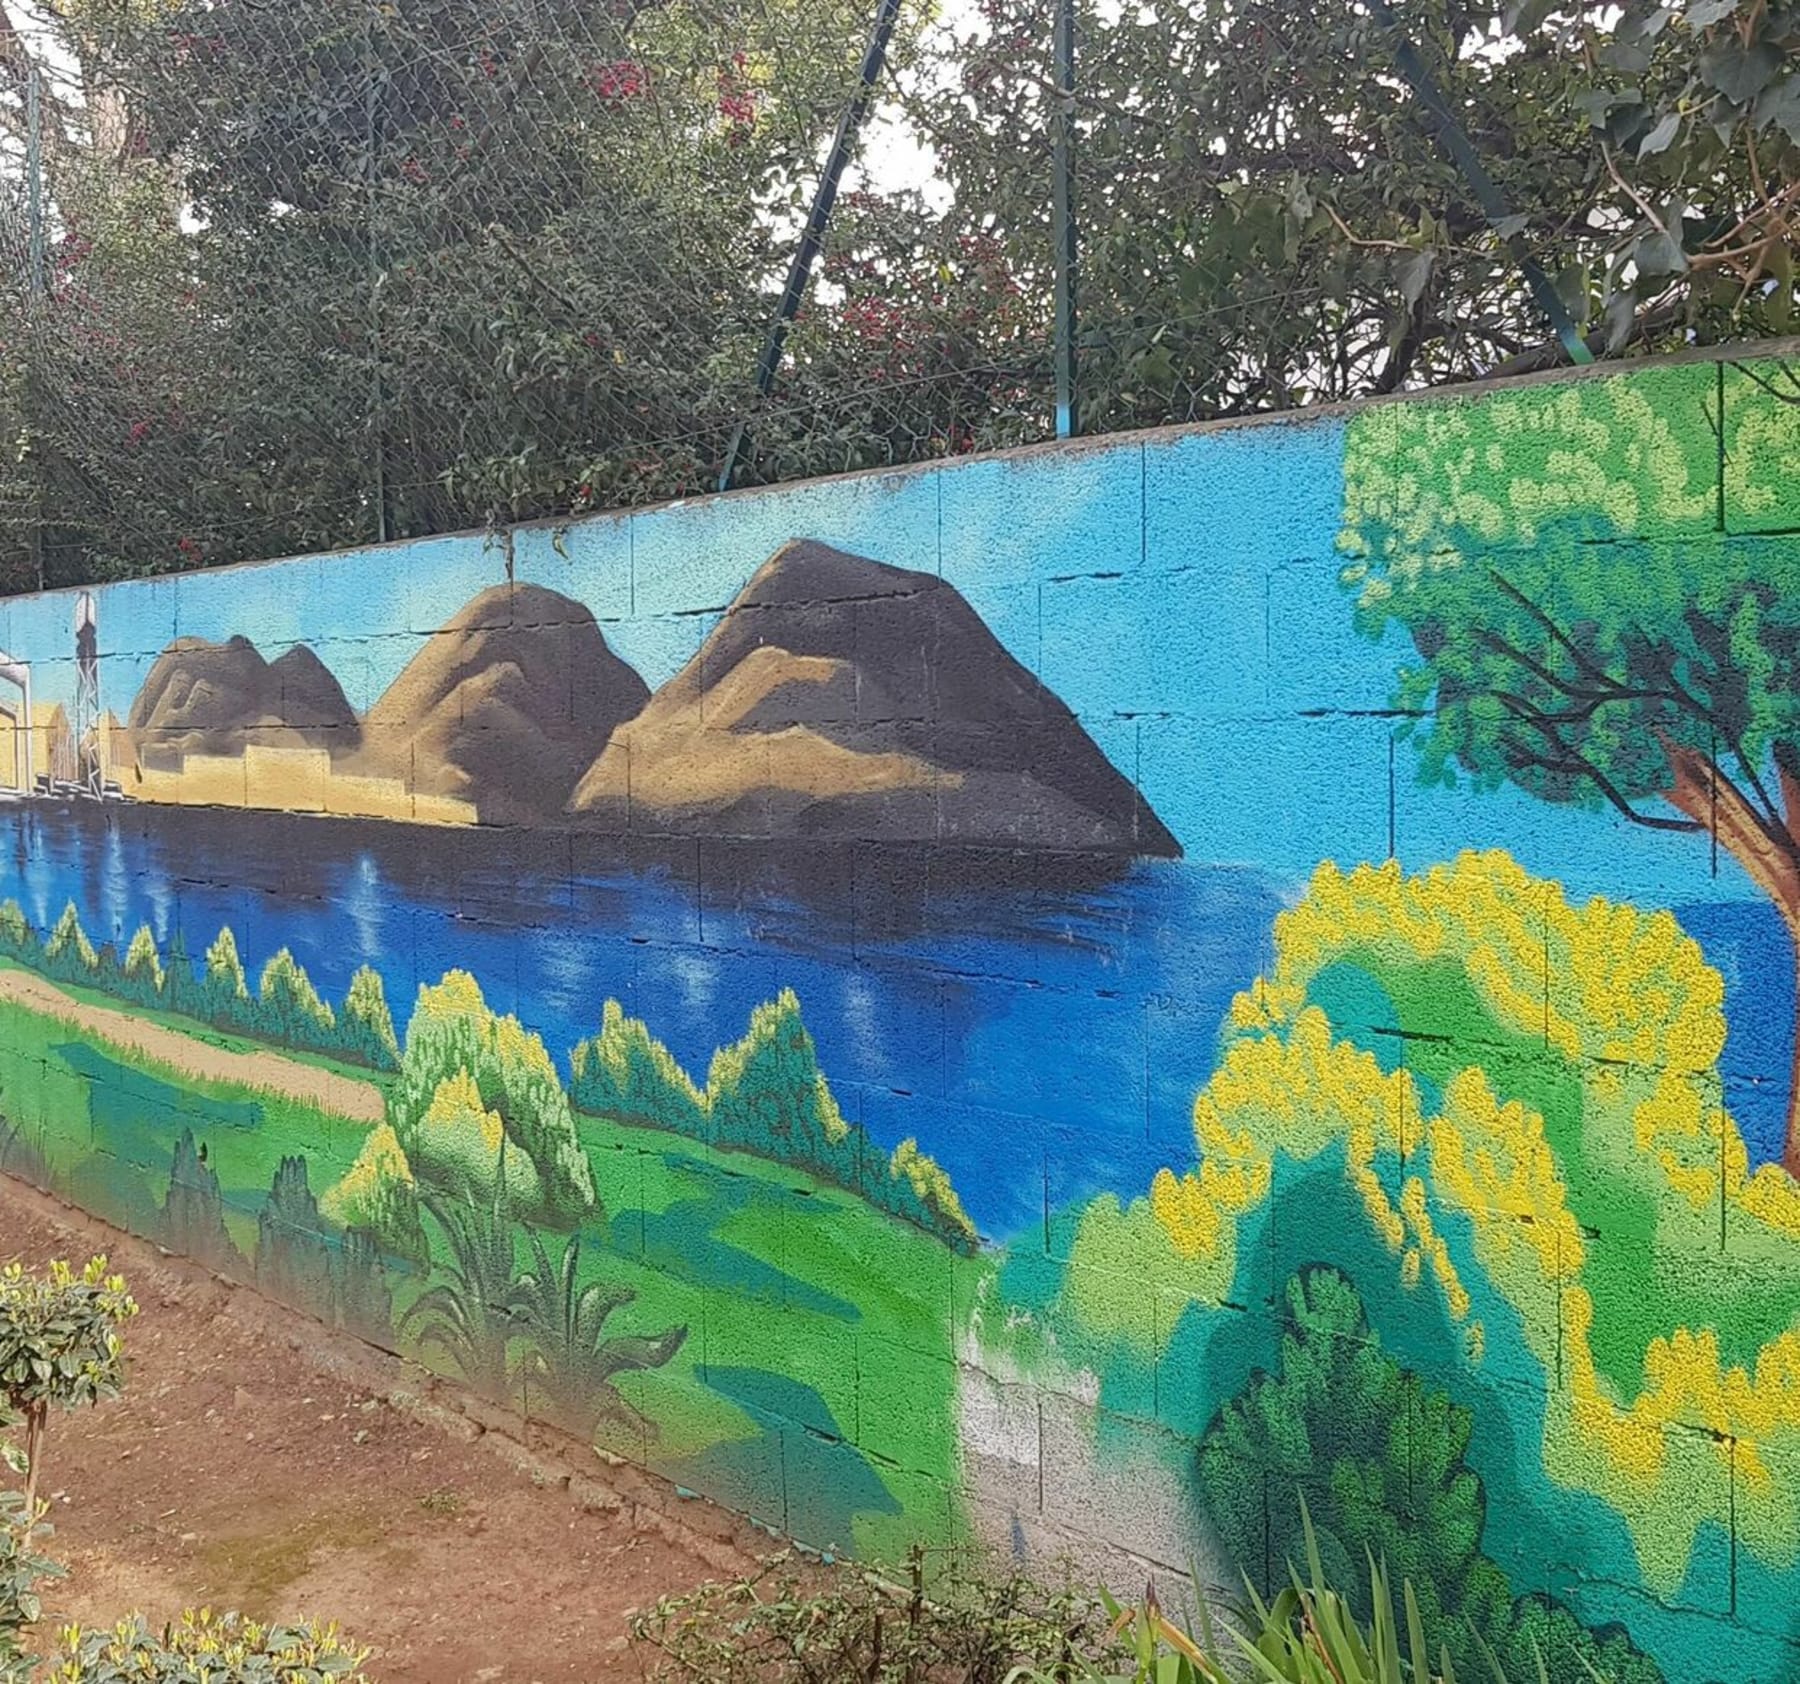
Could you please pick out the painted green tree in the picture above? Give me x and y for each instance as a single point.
(1378, 1456)
(193, 1222)
(1582, 632)
(768, 1095)
(293, 1245)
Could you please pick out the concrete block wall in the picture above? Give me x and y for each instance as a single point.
(1064, 1002)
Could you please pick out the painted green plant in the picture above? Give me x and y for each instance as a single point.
(293, 1243)
(465, 1311)
(472, 1081)
(1343, 1457)
(573, 1364)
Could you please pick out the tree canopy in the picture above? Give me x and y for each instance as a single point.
(1582, 628)
(317, 274)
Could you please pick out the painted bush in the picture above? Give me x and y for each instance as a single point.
(1103, 994)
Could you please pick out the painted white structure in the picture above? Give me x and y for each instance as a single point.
(17, 674)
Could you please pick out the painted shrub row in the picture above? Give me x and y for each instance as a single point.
(285, 1008)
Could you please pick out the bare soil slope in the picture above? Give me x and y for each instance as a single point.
(258, 1462)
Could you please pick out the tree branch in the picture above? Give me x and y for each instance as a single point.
(1571, 762)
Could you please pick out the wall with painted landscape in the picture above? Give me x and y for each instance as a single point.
(1068, 1002)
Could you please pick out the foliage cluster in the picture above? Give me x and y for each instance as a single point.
(59, 1347)
(767, 1095)
(1346, 1441)
(285, 1008)
(216, 1648)
(22, 1570)
(442, 289)
(954, 1622)
(501, 260)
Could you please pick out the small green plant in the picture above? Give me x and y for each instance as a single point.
(831, 1626)
(218, 1648)
(574, 1363)
(22, 1569)
(59, 1348)
(1308, 1634)
(465, 1312)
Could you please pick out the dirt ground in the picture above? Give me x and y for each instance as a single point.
(259, 1462)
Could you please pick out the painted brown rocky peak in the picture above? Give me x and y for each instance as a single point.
(505, 707)
(218, 698)
(841, 697)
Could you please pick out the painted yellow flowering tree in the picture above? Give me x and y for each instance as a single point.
(1579, 632)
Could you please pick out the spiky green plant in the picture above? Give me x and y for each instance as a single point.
(465, 1312)
(1308, 1634)
(573, 1363)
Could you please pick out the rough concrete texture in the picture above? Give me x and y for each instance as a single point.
(1070, 1000)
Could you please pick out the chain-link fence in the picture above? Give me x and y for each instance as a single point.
(279, 275)
(303, 273)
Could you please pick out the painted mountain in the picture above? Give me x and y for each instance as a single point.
(505, 708)
(842, 698)
(216, 698)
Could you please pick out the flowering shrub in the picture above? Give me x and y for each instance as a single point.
(59, 1346)
(218, 1648)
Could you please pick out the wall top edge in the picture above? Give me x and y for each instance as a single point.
(499, 535)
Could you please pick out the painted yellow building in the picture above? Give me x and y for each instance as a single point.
(291, 780)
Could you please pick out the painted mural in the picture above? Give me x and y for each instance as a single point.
(1074, 1002)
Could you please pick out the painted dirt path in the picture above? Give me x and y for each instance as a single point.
(191, 1056)
(258, 1462)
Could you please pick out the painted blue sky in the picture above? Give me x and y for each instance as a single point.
(1180, 594)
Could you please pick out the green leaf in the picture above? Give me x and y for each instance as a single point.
(1659, 253)
(1778, 106)
(1526, 17)
(1415, 275)
(1660, 138)
(1740, 73)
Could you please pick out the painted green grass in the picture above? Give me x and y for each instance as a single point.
(816, 1388)
(783, 1278)
(106, 1120)
(199, 1030)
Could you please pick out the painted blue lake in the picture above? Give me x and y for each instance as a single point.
(1042, 1038)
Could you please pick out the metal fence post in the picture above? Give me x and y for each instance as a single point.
(34, 189)
(1062, 212)
(371, 238)
(813, 238)
(1487, 194)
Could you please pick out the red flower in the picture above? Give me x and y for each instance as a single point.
(618, 81)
